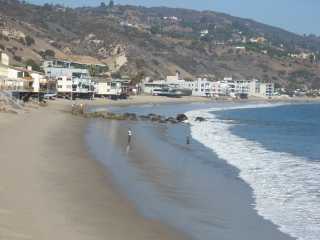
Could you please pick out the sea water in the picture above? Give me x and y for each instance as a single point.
(277, 150)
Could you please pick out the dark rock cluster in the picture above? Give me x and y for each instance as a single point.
(79, 110)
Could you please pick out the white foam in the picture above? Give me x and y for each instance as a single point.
(286, 187)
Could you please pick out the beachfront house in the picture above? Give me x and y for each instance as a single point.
(70, 87)
(14, 78)
(114, 88)
(20, 79)
(201, 87)
(73, 79)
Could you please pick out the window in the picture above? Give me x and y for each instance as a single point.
(20, 74)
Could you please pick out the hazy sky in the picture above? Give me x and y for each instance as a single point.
(301, 16)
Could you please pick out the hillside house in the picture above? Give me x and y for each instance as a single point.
(12, 33)
(259, 40)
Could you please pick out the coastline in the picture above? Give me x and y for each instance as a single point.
(155, 100)
(49, 180)
(158, 168)
(51, 188)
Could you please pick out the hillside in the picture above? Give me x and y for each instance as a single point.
(139, 41)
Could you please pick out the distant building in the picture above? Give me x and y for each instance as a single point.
(243, 88)
(4, 59)
(204, 33)
(12, 33)
(171, 18)
(259, 40)
(303, 55)
(200, 87)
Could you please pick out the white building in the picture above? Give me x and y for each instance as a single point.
(64, 85)
(112, 88)
(200, 87)
(4, 58)
(242, 88)
(73, 78)
(267, 90)
(204, 32)
(74, 87)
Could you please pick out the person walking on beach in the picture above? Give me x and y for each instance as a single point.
(129, 135)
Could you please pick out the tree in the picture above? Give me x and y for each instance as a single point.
(48, 54)
(155, 29)
(111, 4)
(116, 75)
(93, 70)
(29, 40)
(33, 64)
(103, 5)
(17, 58)
(137, 78)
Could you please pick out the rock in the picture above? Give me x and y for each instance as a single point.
(162, 121)
(181, 117)
(131, 116)
(151, 115)
(156, 118)
(200, 119)
(144, 118)
(171, 120)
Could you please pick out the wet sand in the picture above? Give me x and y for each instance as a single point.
(50, 188)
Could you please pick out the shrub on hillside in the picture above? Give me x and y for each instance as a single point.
(17, 58)
(47, 54)
(33, 64)
(29, 40)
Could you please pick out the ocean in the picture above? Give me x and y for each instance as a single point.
(252, 171)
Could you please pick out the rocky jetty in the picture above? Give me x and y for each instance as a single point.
(80, 110)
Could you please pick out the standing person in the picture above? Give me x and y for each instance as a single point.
(188, 140)
(129, 135)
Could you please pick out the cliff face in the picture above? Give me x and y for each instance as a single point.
(154, 42)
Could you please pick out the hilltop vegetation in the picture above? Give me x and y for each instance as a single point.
(139, 41)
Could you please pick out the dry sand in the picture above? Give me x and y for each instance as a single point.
(142, 99)
(51, 189)
(147, 99)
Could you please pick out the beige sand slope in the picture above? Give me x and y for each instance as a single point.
(51, 189)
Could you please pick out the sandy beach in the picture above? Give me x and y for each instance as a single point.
(50, 188)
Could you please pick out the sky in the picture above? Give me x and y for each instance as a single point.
(299, 16)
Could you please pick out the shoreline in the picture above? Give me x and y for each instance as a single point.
(51, 188)
(155, 100)
(150, 158)
(52, 182)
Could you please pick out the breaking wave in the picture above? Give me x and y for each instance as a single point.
(286, 188)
